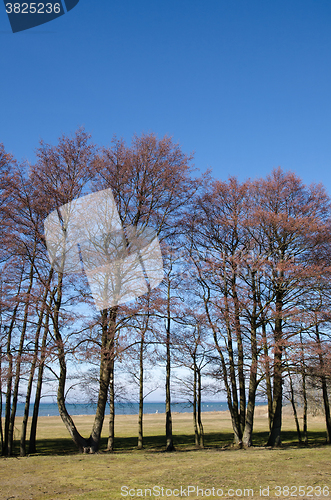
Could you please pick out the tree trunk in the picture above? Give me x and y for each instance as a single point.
(34, 421)
(106, 375)
(230, 385)
(15, 394)
(237, 439)
(8, 393)
(79, 441)
(201, 433)
(241, 376)
(108, 316)
(249, 421)
(195, 424)
(294, 408)
(111, 437)
(10, 373)
(267, 371)
(275, 434)
(1, 429)
(233, 412)
(19, 355)
(326, 409)
(234, 406)
(324, 386)
(169, 439)
(32, 369)
(169, 444)
(304, 393)
(305, 409)
(29, 390)
(248, 432)
(141, 393)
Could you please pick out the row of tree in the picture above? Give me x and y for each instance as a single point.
(245, 296)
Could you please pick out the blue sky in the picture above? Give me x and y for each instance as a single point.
(244, 84)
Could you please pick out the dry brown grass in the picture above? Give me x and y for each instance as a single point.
(71, 476)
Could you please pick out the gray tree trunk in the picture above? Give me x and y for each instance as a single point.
(141, 394)
(34, 421)
(249, 421)
(19, 355)
(201, 432)
(275, 434)
(111, 436)
(33, 368)
(195, 423)
(6, 440)
(324, 387)
(1, 429)
(294, 408)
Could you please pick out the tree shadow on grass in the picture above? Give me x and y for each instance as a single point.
(290, 438)
(182, 442)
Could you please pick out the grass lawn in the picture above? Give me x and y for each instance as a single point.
(58, 472)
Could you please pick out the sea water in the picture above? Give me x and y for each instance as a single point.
(127, 408)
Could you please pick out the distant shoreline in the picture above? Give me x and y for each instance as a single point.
(131, 408)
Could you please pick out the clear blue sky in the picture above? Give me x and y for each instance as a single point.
(246, 84)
